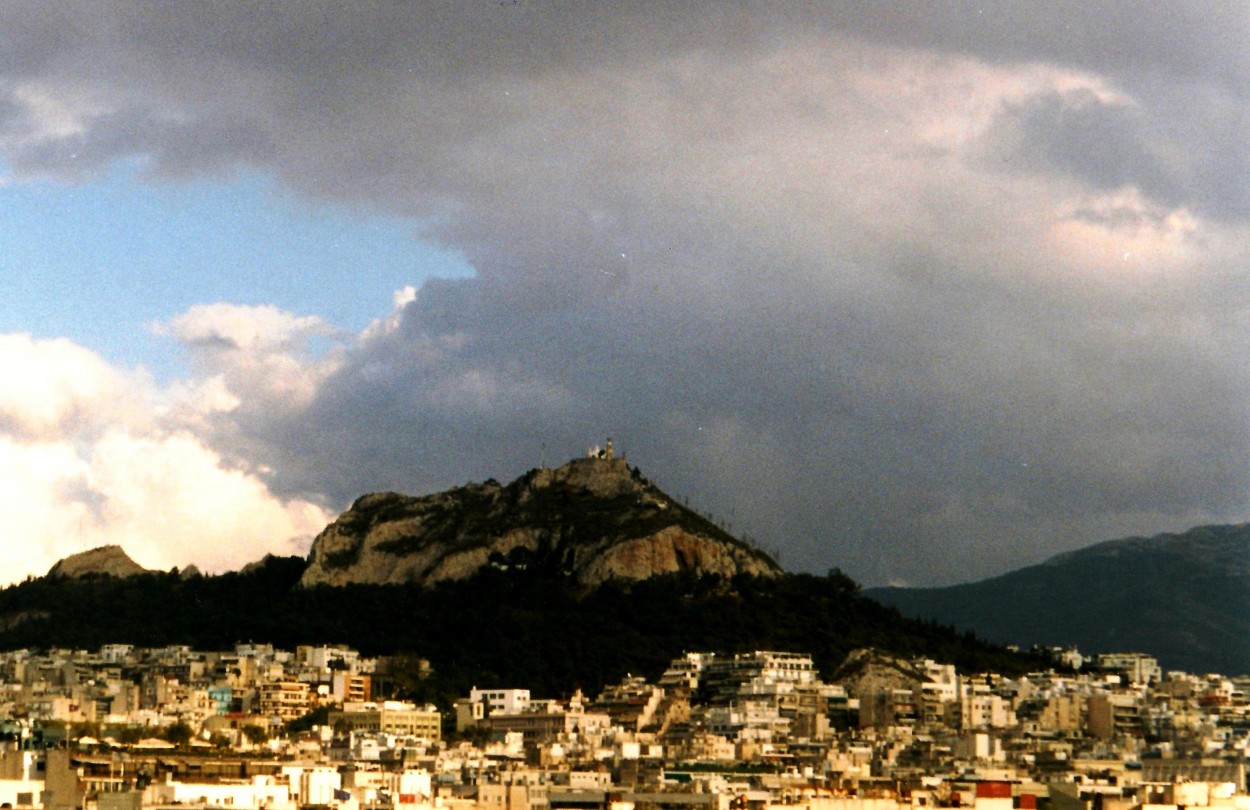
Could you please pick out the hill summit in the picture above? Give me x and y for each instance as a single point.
(105, 560)
(593, 519)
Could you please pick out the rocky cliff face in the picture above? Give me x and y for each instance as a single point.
(594, 519)
(110, 560)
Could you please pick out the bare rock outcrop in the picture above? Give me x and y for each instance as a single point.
(105, 560)
(669, 551)
(866, 671)
(594, 519)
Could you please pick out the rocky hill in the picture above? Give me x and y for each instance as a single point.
(594, 519)
(1184, 598)
(105, 560)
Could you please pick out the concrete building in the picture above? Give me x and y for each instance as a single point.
(1139, 668)
(390, 717)
(482, 703)
(284, 700)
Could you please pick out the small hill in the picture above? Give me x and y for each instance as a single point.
(1184, 598)
(594, 519)
(102, 561)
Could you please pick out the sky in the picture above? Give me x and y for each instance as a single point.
(924, 291)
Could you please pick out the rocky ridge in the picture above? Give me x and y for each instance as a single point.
(594, 519)
(105, 560)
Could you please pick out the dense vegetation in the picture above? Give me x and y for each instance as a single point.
(500, 628)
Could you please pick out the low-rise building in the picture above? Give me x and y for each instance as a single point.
(389, 717)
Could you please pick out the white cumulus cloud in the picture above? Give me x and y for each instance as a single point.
(263, 354)
(54, 387)
(90, 456)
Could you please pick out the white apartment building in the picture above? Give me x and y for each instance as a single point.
(685, 671)
(501, 701)
(484, 702)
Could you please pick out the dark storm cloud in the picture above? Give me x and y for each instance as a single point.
(1184, 42)
(1110, 145)
(1101, 143)
(919, 291)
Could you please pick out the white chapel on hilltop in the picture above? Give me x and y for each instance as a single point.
(607, 451)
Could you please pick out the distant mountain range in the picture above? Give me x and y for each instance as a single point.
(1184, 598)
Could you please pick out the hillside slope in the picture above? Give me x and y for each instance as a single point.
(1184, 598)
(532, 628)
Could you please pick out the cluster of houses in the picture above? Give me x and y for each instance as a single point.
(126, 729)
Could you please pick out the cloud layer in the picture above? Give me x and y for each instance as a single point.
(924, 292)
